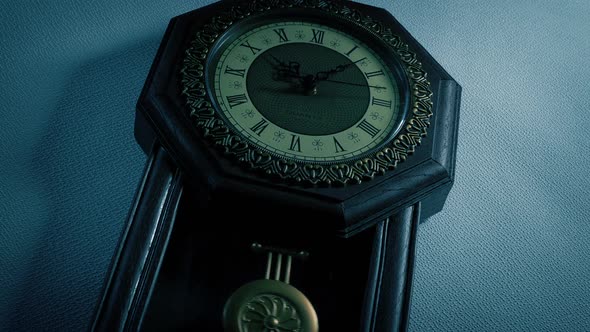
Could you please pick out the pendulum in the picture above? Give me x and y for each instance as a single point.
(271, 305)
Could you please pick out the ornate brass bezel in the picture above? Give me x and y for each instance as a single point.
(213, 127)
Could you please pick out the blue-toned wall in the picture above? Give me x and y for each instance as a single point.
(510, 251)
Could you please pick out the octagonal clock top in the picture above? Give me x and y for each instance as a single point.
(324, 104)
(306, 94)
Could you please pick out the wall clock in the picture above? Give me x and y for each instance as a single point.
(295, 146)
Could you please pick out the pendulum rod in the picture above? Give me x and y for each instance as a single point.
(277, 259)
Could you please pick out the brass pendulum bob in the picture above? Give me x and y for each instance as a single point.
(270, 305)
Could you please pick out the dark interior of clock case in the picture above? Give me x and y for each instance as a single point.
(209, 257)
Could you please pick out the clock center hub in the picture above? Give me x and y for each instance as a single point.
(310, 86)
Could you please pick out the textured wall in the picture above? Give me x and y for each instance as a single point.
(509, 252)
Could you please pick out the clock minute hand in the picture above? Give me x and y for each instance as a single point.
(324, 75)
(309, 83)
(357, 84)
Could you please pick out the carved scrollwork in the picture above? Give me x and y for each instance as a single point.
(213, 127)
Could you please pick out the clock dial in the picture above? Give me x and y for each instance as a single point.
(307, 92)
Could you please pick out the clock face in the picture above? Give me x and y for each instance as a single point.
(306, 92)
(310, 92)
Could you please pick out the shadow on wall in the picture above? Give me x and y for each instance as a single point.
(89, 166)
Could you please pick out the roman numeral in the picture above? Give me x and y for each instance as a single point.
(237, 72)
(381, 102)
(368, 128)
(259, 127)
(350, 52)
(374, 73)
(237, 100)
(338, 146)
(359, 60)
(318, 36)
(253, 49)
(282, 35)
(295, 143)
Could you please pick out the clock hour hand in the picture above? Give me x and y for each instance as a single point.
(324, 75)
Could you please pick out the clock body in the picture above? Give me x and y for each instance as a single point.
(197, 68)
(321, 126)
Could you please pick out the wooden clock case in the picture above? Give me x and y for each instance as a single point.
(186, 245)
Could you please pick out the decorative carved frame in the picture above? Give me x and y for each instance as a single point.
(213, 127)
